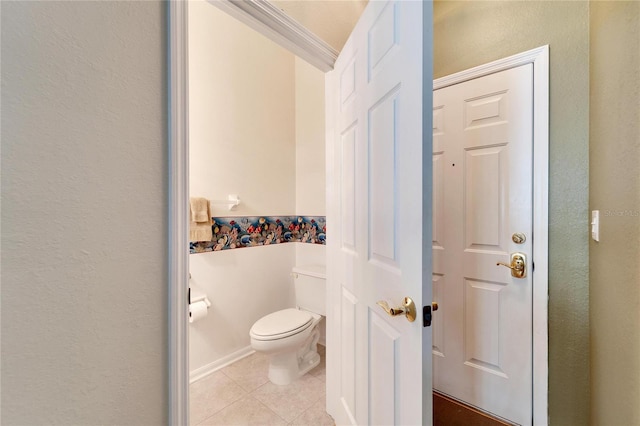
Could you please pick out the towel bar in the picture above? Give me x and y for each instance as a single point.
(232, 202)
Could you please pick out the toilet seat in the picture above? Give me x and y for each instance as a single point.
(281, 324)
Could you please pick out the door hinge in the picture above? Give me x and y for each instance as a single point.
(426, 316)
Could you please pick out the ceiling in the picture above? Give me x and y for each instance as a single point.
(331, 20)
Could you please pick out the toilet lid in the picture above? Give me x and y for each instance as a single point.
(281, 324)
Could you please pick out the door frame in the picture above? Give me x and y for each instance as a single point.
(539, 57)
(280, 28)
(178, 211)
(271, 22)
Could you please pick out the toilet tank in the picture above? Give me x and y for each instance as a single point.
(310, 287)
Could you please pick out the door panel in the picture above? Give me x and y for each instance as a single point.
(382, 180)
(348, 189)
(348, 354)
(375, 203)
(383, 346)
(483, 146)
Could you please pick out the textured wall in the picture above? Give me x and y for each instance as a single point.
(467, 34)
(614, 189)
(84, 276)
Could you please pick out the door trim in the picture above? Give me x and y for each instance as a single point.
(539, 57)
(178, 219)
(178, 183)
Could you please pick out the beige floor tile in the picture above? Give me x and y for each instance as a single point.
(245, 411)
(211, 394)
(223, 397)
(314, 416)
(250, 372)
(291, 400)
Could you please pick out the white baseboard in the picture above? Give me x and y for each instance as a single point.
(205, 370)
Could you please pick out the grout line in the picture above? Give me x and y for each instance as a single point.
(250, 394)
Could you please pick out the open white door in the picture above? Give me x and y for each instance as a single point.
(379, 101)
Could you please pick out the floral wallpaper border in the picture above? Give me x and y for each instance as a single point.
(252, 231)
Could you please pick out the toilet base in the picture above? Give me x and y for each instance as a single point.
(286, 367)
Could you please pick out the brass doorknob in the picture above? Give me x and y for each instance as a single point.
(408, 308)
(518, 265)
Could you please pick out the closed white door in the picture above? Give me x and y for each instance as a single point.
(379, 214)
(483, 213)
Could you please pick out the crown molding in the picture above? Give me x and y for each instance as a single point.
(273, 23)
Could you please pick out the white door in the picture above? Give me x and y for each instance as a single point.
(379, 96)
(483, 195)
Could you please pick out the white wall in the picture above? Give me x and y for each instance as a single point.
(243, 285)
(84, 240)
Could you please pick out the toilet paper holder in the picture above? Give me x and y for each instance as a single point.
(196, 296)
(198, 306)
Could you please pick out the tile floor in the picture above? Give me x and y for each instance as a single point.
(241, 394)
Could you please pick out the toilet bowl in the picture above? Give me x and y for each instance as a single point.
(290, 336)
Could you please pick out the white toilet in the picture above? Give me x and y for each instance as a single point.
(290, 336)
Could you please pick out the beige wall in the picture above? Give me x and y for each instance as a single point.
(84, 276)
(256, 129)
(468, 34)
(310, 155)
(615, 190)
(310, 140)
(242, 132)
(241, 141)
